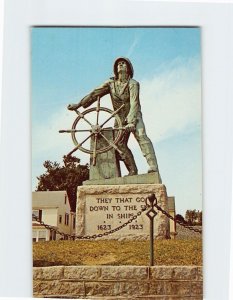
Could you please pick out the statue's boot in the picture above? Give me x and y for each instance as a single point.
(152, 162)
(149, 153)
(153, 166)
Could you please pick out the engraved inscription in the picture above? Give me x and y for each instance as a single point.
(106, 213)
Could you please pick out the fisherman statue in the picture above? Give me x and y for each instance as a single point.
(123, 89)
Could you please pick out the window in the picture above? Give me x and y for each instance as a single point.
(74, 222)
(67, 219)
(65, 198)
(42, 235)
(60, 219)
(37, 213)
(39, 235)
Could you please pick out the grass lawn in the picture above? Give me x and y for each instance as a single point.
(111, 252)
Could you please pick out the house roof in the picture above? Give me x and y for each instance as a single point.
(48, 199)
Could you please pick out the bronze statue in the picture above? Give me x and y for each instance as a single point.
(123, 89)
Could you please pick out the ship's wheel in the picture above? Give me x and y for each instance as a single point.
(90, 124)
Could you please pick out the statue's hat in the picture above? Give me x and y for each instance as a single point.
(129, 65)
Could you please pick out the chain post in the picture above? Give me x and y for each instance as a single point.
(151, 214)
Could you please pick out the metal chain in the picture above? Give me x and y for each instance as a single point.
(94, 236)
(177, 221)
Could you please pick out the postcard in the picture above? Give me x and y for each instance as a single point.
(116, 161)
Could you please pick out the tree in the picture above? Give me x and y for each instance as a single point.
(67, 177)
(190, 216)
(201, 218)
(193, 217)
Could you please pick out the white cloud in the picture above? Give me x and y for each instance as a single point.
(171, 100)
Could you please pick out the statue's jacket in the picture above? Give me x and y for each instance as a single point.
(129, 96)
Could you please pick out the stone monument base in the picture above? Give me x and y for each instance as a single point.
(102, 208)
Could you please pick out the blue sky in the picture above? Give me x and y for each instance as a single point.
(67, 63)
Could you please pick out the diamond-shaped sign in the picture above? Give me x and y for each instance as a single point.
(151, 213)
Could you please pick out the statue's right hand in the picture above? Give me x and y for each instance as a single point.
(73, 106)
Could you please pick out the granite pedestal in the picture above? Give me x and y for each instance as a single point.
(103, 207)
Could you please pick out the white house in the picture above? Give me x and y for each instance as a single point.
(53, 208)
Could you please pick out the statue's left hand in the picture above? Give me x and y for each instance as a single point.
(130, 127)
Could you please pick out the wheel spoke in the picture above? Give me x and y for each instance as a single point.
(98, 111)
(94, 151)
(79, 145)
(75, 130)
(111, 129)
(82, 116)
(112, 144)
(112, 115)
